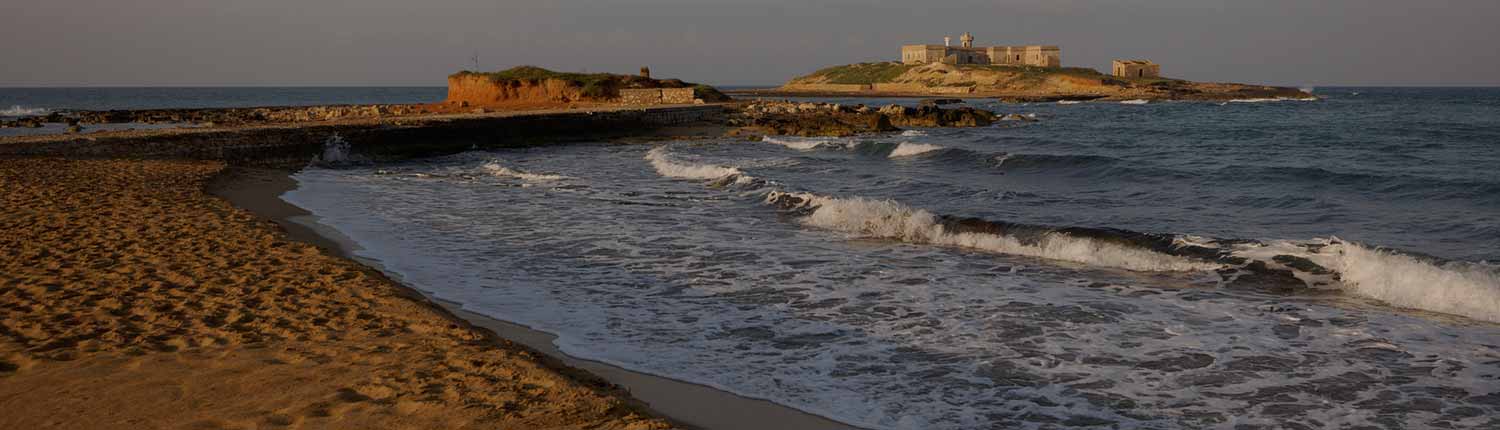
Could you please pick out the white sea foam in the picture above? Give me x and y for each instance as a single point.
(798, 144)
(667, 166)
(1068, 102)
(888, 219)
(1274, 99)
(18, 110)
(1135, 102)
(1458, 288)
(907, 149)
(1468, 289)
(336, 151)
(913, 133)
(496, 169)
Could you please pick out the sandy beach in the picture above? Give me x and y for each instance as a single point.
(133, 299)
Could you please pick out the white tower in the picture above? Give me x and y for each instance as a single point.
(947, 41)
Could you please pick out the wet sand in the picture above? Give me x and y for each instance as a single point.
(258, 190)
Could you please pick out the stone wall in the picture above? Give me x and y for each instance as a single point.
(647, 96)
(900, 88)
(1135, 69)
(656, 96)
(1033, 55)
(921, 54)
(678, 96)
(835, 88)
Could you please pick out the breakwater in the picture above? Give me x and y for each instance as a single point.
(371, 138)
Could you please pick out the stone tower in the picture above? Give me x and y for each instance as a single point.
(947, 41)
(645, 72)
(967, 39)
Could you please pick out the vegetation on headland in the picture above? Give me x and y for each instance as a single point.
(862, 73)
(594, 85)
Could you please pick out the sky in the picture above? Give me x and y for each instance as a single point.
(418, 43)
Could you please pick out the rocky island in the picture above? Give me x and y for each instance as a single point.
(1019, 83)
(1010, 73)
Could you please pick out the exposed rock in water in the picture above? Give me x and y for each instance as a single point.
(933, 116)
(824, 119)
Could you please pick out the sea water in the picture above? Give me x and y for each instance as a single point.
(1085, 269)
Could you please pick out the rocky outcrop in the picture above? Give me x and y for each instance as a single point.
(828, 119)
(529, 85)
(479, 90)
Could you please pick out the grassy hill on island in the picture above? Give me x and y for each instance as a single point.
(1015, 81)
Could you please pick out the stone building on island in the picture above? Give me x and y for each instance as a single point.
(1136, 69)
(967, 53)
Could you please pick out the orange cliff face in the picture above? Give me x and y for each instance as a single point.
(481, 91)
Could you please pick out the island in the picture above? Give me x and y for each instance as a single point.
(1026, 73)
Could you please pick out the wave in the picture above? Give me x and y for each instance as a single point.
(1404, 280)
(495, 169)
(20, 111)
(1274, 99)
(1459, 288)
(907, 149)
(913, 133)
(889, 219)
(720, 176)
(1068, 102)
(1399, 279)
(797, 144)
(1135, 102)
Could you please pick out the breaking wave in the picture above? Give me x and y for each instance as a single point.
(1411, 281)
(888, 219)
(495, 169)
(797, 144)
(20, 111)
(1459, 288)
(1135, 102)
(664, 164)
(907, 149)
(1403, 280)
(1274, 99)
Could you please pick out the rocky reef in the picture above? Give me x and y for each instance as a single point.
(830, 119)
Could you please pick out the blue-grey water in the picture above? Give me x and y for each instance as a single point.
(832, 275)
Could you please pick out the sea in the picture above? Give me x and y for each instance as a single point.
(1327, 263)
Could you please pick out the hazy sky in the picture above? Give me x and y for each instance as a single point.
(419, 42)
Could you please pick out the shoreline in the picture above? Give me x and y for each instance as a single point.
(259, 190)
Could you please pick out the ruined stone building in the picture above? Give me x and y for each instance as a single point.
(1136, 69)
(967, 53)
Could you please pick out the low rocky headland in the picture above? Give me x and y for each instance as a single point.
(1016, 83)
